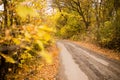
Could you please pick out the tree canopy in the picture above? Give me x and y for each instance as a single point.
(98, 20)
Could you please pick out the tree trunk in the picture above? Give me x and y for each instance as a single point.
(97, 19)
(5, 2)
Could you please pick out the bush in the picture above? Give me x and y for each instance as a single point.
(106, 33)
(22, 45)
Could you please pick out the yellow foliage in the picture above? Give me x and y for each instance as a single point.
(40, 44)
(40, 36)
(48, 57)
(46, 28)
(24, 11)
(25, 56)
(16, 41)
(7, 58)
(47, 37)
(27, 47)
(27, 35)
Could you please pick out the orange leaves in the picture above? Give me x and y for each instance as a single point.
(7, 34)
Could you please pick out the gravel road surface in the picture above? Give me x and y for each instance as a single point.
(79, 63)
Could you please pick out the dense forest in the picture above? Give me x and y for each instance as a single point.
(96, 21)
(28, 29)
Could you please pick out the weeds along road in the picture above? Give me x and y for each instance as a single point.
(78, 63)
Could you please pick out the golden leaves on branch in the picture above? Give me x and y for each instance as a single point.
(7, 58)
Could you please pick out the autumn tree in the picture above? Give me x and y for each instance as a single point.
(78, 6)
(23, 38)
(100, 18)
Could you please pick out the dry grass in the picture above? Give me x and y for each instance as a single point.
(107, 52)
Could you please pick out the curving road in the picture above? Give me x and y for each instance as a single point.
(79, 63)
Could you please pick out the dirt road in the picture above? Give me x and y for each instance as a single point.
(78, 63)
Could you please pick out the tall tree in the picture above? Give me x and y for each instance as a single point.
(5, 3)
(77, 6)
